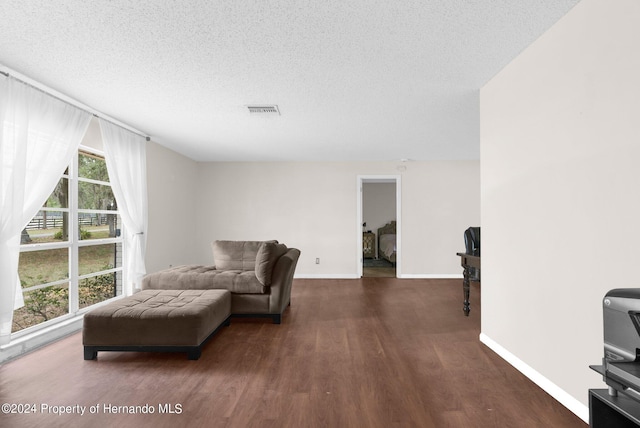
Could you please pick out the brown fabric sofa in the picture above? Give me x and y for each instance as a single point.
(258, 274)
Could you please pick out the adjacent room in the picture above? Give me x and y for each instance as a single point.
(379, 227)
(303, 175)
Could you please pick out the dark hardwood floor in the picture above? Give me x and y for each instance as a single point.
(375, 352)
(379, 272)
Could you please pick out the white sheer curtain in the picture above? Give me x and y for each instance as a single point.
(38, 136)
(125, 155)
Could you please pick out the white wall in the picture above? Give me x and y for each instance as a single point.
(312, 206)
(171, 189)
(440, 200)
(560, 149)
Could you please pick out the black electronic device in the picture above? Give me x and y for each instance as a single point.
(621, 362)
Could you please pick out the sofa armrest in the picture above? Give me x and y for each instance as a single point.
(282, 280)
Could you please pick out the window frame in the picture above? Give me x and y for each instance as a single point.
(73, 245)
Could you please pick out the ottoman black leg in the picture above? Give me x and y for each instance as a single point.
(194, 354)
(90, 353)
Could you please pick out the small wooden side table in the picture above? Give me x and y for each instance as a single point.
(368, 245)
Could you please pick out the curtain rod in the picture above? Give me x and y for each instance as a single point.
(76, 106)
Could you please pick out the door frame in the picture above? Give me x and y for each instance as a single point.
(388, 178)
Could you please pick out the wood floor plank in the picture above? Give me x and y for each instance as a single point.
(374, 352)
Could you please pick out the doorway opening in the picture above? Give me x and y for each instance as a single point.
(379, 226)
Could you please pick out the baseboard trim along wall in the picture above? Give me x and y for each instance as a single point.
(431, 276)
(549, 387)
(38, 339)
(355, 276)
(326, 276)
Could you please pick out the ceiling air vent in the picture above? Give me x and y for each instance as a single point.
(264, 109)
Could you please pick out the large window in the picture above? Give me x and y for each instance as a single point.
(71, 251)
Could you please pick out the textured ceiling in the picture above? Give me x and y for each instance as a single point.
(354, 80)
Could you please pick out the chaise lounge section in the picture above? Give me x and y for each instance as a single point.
(259, 275)
(157, 321)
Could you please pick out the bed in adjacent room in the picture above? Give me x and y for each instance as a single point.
(387, 242)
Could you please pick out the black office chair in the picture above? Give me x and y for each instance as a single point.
(472, 241)
(472, 245)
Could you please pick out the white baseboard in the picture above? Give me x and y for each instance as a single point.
(326, 276)
(38, 339)
(549, 387)
(402, 276)
(430, 276)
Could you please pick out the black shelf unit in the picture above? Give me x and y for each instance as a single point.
(606, 411)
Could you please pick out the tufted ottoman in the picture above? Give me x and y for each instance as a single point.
(157, 321)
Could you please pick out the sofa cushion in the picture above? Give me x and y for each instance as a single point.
(197, 277)
(268, 255)
(235, 255)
